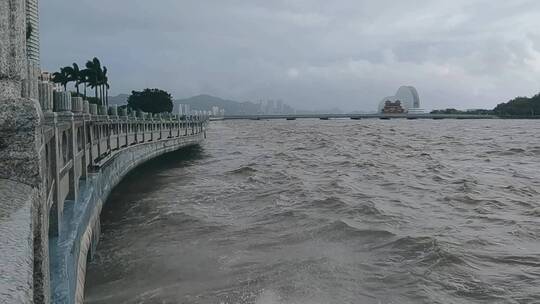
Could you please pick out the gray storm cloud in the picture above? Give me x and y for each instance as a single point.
(312, 54)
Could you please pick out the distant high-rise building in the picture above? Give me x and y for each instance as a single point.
(184, 109)
(271, 107)
(262, 106)
(279, 106)
(32, 43)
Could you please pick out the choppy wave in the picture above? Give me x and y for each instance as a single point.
(245, 170)
(330, 212)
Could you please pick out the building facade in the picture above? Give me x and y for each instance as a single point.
(30, 85)
(408, 98)
(393, 107)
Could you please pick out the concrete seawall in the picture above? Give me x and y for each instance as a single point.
(16, 239)
(56, 170)
(69, 251)
(80, 232)
(60, 156)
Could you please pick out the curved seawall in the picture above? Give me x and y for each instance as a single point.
(80, 232)
(56, 170)
(60, 156)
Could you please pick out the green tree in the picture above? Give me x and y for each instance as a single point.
(74, 75)
(94, 76)
(520, 107)
(84, 76)
(470, 112)
(104, 81)
(95, 73)
(89, 99)
(151, 101)
(62, 77)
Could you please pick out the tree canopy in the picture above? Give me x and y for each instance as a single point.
(62, 77)
(151, 101)
(524, 107)
(455, 111)
(520, 106)
(93, 76)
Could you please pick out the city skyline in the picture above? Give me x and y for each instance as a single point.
(464, 54)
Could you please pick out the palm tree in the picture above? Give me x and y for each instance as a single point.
(92, 82)
(107, 87)
(105, 84)
(83, 79)
(68, 70)
(62, 77)
(94, 75)
(75, 75)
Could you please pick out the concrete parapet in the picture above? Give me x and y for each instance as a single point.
(93, 109)
(86, 107)
(72, 248)
(23, 270)
(30, 87)
(102, 110)
(62, 102)
(113, 110)
(16, 241)
(20, 137)
(55, 170)
(122, 112)
(77, 105)
(22, 204)
(46, 96)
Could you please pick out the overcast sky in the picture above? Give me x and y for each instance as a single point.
(313, 54)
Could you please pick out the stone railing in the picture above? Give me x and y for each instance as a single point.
(80, 137)
(86, 149)
(59, 159)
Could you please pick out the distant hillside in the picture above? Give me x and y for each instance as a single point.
(118, 100)
(460, 112)
(520, 107)
(206, 102)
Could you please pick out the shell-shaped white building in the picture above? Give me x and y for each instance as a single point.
(408, 96)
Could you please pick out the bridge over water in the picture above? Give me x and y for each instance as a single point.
(59, 159)
(358, 116)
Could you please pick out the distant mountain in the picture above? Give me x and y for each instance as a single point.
(520, 107)
(206, 102)
(118, 100)
(323, 111)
